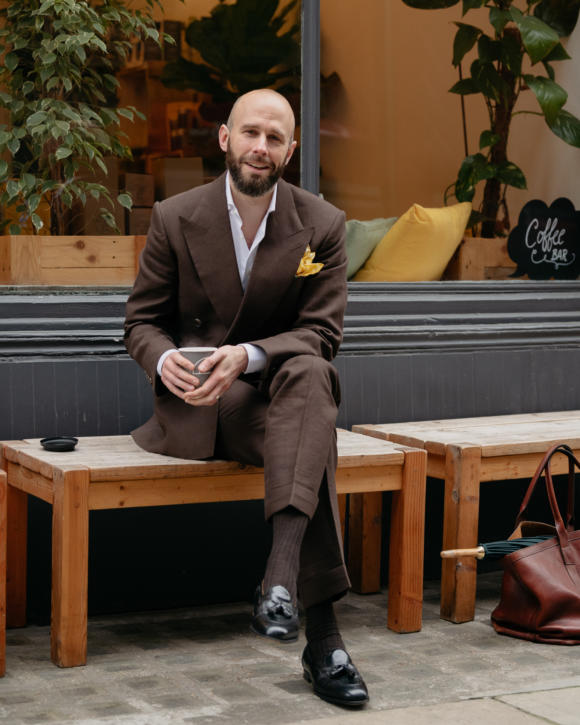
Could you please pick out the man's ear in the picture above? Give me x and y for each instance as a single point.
(223, 136)
(290, 152)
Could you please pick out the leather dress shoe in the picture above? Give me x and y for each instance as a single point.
(335, 679)
(275, 615)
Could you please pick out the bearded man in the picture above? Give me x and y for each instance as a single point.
(257, 268)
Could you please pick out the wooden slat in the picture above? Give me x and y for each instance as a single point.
(461, 513)
(367, 480)
(406, 548)
(520, 466)
(17, 517)
(96, 252)
(29, 482)
(3, 542)
(364, 537)
(169, 492)
(70, 553)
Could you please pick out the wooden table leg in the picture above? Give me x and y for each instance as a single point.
(460, 524)
(3, 521)
(342, 502)
(364, 541)
(70, 554)
(406, 547)
(17, 525)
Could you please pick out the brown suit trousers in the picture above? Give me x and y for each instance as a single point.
(289, 428)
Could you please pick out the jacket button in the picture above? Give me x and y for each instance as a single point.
(197, 322)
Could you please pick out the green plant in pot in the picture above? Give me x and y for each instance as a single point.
(59, 89)
(515, 55)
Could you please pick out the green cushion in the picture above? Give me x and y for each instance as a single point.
(361, 239)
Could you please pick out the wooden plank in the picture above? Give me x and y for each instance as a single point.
(406, 548)
(364, 541)
(3, 542)
(170, 492)
(17, 506)
(30, 482)
(80, 252)
(520, 466)
(140, 241)
(70, 552)
(342, 506)
(460, 523)
(367, 480)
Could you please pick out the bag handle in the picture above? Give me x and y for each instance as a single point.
(545, 465)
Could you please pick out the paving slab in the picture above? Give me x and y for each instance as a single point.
(560, 706)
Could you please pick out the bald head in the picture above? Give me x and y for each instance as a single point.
(267, 102)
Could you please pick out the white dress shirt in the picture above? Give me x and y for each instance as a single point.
(245, 257)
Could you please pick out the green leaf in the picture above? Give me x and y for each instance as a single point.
(549, 70)
(567, 127)
(511, 175)
(465, 39)
(36, 119)
(28, 181)
(499, 19)
(126, 113)
(562, 15)
(475, 168)
(430, 4)
(14, 229)
(11, 61)
(13, 188)
(538, 38)
(488, 138)
(125, 200)
(62, 153)
(559, 53)
(33, 202)
(465, 87)
(3, 168)
(36, 221)
(550, 95)
(13, 145)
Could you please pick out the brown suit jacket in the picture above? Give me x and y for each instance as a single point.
(188, 293)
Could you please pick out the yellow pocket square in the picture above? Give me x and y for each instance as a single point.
(307, 264)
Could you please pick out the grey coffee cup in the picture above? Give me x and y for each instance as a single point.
(195, 355)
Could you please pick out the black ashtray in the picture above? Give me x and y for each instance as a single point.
(59, 443)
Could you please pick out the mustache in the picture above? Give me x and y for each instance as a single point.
(259, 160)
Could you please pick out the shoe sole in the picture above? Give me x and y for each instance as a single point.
(284, 640)
(333, 700)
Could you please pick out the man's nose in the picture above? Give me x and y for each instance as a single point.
(260, 144)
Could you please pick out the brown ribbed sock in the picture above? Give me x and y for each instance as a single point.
(289, 526)
(322, 630)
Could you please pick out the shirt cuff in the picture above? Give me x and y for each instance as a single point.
(162, 360)
(256, 357)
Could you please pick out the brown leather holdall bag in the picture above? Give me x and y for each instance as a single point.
(540, 594)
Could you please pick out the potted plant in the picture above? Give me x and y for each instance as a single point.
(514, 56)
(58, 89)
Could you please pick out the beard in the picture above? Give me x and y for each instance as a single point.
(251, 185)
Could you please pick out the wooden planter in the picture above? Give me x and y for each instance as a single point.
(477, 258)
(69, 260)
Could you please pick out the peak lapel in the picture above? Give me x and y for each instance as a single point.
(276, 263)
(208, 236)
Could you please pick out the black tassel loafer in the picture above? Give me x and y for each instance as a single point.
(335, 679)
(275, 615)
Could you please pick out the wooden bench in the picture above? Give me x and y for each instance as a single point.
(465, 452)
(113, 472)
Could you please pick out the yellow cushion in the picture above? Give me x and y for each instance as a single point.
(418, 246)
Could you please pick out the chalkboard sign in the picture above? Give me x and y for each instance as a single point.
(546, 241)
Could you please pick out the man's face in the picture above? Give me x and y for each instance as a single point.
(259, 143)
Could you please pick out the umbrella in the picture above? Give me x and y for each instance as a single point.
(495, 549)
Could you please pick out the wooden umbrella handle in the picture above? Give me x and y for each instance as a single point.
(478, 552)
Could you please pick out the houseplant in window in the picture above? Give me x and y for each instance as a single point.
(61, 123)
(515, 55)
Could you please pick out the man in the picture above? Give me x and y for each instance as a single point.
(256, 267)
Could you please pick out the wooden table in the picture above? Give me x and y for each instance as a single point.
(112, 472)
(465, 452)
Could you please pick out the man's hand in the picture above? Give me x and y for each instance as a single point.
(226, 364)
(176, 375)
